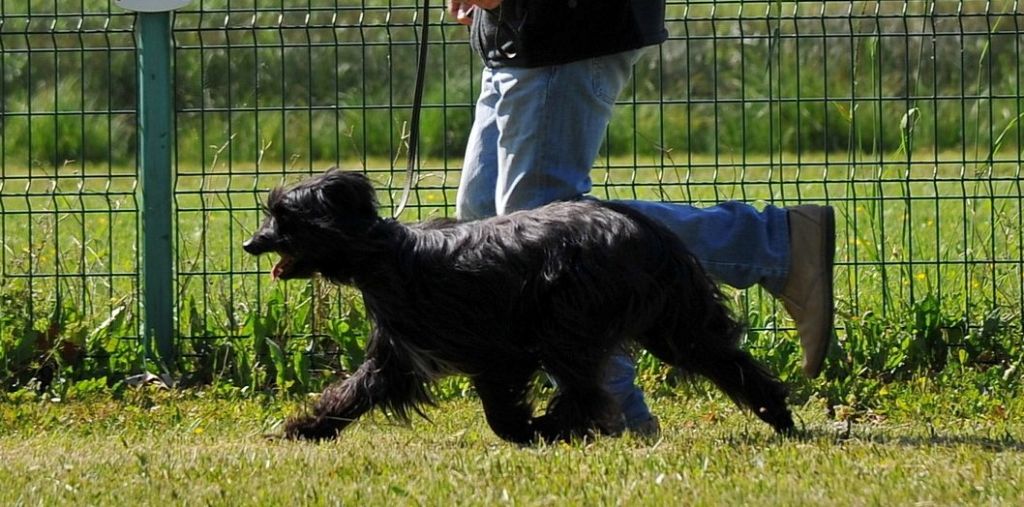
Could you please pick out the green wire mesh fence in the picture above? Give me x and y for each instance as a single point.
(904, 115)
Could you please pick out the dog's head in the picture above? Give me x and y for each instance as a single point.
(310, 223)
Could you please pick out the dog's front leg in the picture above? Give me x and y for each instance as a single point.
(339, 405)
(387, 379)
(506, 405)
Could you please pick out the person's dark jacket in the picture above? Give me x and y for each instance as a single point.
(534, 33)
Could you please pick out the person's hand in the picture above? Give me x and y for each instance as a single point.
(462, 10)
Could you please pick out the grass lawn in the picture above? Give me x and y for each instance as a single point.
(897, 436)
(196, 448)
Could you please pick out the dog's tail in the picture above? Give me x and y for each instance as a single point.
(696, 320)
(691, 295)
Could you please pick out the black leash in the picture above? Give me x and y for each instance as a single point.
(417, 105)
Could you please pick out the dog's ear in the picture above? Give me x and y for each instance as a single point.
(347, 193)
(279, 204)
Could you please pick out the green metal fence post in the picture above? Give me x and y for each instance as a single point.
(155, 137)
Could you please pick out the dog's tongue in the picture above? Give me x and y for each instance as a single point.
(279, 268)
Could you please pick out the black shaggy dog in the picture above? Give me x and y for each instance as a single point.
(558, 288)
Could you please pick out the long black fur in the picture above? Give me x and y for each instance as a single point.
(558, 288)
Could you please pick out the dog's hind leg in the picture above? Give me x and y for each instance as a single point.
(579, 413)
(504, 395)
(748, 383)
(581, 407)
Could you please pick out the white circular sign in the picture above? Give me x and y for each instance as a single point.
(151, 5)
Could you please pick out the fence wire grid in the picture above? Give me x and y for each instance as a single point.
(904, 115)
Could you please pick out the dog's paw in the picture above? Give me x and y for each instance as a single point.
(547, 430)
(612, 425)
(781, 420)
(308, 428)
(551, 429)
(274, 436)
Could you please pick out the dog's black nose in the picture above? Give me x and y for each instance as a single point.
(253, 246)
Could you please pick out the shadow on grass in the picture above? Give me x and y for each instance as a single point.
(880, 435)
(872, 434)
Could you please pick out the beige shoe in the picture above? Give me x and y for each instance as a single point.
(807, 295)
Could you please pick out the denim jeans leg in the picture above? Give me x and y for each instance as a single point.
(620, 381)
(551, 123)
(736, 243)
(479, 181)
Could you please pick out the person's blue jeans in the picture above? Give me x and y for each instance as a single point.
(535, 136)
